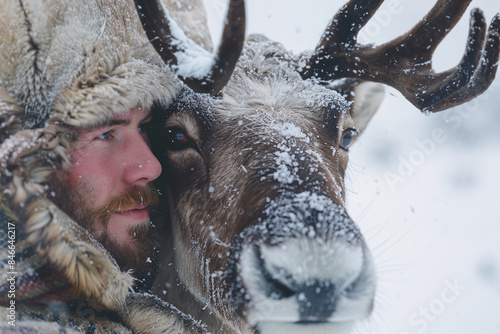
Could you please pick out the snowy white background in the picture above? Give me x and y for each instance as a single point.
(440, 225)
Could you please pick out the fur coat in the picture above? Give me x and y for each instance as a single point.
(67, 64)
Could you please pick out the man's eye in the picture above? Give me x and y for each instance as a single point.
(177, 139)
(105, 135)
(347, 138)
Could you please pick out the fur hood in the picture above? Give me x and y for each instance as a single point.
(66, 64)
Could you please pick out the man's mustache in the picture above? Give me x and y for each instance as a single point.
(137, 196)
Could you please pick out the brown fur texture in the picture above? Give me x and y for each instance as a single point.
(220, 185)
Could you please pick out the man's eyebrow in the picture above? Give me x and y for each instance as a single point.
(113, 122)
(116, 122)
(108, 123)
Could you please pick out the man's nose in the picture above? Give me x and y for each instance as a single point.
(141, 166)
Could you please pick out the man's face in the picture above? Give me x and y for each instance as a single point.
(108, 188)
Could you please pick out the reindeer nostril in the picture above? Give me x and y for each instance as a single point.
(277, 290)
(275, 287)
(317, 301)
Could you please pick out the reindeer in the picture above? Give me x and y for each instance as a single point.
(255, 153)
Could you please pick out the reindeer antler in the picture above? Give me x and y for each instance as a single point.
(172, 45)
(405, 62)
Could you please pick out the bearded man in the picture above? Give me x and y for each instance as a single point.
(78, 79)
(108, 189)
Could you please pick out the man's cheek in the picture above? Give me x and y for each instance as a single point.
(74, 177)
(79, 174)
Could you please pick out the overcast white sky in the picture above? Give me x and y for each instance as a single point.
(436, 234)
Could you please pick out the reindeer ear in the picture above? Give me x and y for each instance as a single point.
(366, 97)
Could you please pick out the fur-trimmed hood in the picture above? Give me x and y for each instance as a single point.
(66, 64)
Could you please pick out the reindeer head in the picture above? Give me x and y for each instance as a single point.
(255, 171)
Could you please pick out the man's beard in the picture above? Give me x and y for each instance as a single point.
(138, 256)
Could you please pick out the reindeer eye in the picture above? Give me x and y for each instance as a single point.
(347, 138)
(177, 139)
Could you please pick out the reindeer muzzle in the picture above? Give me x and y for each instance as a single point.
(304, 264)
